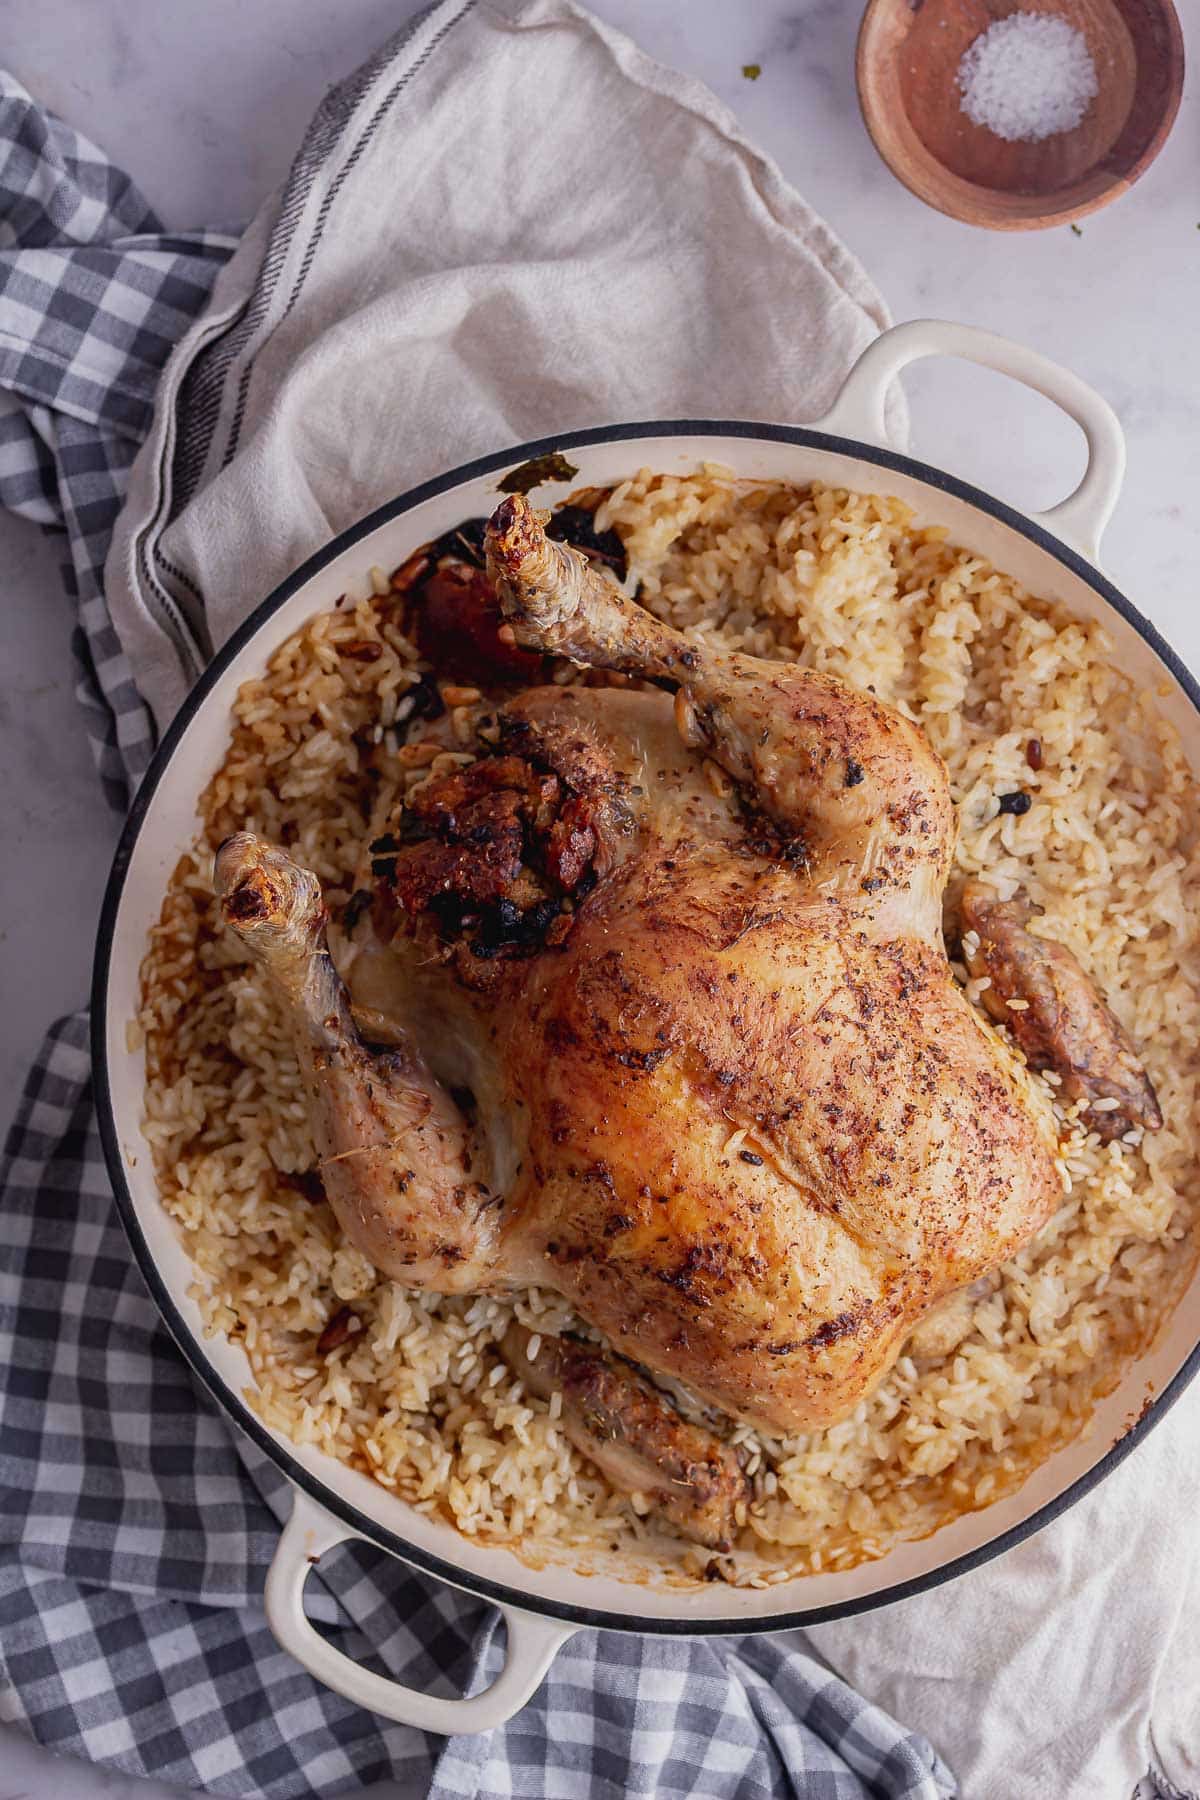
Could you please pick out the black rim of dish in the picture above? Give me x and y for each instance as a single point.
(192, 1348)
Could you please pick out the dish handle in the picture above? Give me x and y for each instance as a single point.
(858, 412)
(533, 1642)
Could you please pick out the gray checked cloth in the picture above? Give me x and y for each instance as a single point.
(135, 1528)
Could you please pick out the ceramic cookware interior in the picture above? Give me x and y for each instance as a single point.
(620, 1592)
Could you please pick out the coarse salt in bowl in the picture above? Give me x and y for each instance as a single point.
(1028, 76)
(1024, 120)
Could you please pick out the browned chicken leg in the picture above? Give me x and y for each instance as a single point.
(859, 786)
(396, 1158)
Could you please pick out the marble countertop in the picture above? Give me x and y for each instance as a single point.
(204, 106)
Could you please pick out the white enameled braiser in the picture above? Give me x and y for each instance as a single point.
(1053, 554)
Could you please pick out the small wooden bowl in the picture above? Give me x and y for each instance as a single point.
(907, 71)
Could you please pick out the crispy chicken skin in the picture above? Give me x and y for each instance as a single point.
(1064, 1024)
(733, 1104)
(629, 1429)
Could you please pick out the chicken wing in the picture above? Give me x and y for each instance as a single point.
(1054, 1011)
(629, 1429)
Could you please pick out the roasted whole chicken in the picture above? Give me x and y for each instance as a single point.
(651, 1006)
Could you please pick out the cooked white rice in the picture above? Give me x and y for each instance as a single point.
(418, 1397)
